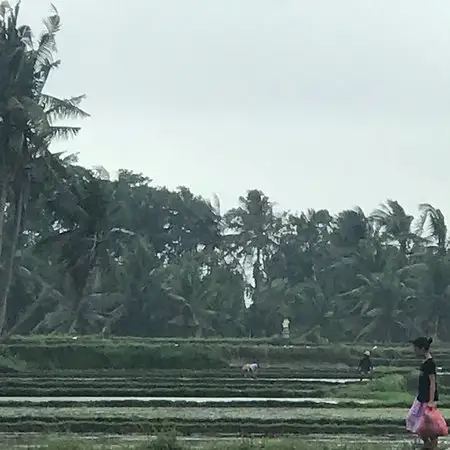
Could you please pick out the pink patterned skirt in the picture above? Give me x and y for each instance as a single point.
(415, 413)
(425, 421)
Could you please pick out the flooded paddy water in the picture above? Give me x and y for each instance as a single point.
(203, 400)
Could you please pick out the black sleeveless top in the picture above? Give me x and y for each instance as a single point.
(427, 368)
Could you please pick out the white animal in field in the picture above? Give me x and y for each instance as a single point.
(250, 368)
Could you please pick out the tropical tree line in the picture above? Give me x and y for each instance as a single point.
(83, 253)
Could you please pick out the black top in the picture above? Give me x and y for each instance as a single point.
(366, 363)
(427, 368)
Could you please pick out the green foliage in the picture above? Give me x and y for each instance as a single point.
(65, 445)
(121, 356)
(391, 389)
(11, 364)
(393, 383)
(127, 353)
(164, 441)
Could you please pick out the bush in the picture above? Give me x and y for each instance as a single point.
(118, 356)
(11, 364)
(389, 388)
(164, 441)
(65, 445)
(388, 383)
(90, 352)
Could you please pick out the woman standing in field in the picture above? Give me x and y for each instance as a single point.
(427, 396)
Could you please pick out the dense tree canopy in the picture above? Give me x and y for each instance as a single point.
(83, 253)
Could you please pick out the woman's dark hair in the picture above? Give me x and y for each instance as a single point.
(422, 342)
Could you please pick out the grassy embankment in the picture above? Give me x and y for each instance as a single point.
(59, 352)
(169, 442)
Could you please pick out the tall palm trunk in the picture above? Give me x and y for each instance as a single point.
(436, 328)
(12, 256)
(199, 332)
(257, 274)
(3, 197)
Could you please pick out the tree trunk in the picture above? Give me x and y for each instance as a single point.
(3, 197)
(12, 256)
(73, 326)
(257, 274)
(199, 332)
(436, 328)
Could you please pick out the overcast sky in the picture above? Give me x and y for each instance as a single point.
(319, 103)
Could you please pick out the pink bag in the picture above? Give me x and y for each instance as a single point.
(432, 424)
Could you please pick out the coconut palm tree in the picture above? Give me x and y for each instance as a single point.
(27, 122)
(437, 228)
(395, 224)
(386, 302)
(253, 228)
(82, 248)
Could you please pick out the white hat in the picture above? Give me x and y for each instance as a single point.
(367, 353)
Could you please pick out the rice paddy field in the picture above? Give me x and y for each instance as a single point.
(305, 397)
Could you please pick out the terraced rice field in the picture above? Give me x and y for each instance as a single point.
(307, 399)
(192, 403)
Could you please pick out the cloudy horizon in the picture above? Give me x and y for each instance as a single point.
(318, 104)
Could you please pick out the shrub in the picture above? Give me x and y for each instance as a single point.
(163, 441)
(119, 356)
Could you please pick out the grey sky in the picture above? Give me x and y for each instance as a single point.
(319, 103)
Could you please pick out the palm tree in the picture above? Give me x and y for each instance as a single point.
(27, 117)
(351, 228)
(80, 246)
(316, 312)
(386, 302)
(395, 224)
(209, 292)
(253, 226)
(437, 228)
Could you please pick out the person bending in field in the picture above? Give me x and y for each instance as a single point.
(365, 366)
(250, 369)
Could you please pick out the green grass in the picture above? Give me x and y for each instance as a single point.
(92, 352)
(157, 392)
(230, 373)
(210, 428)
(386, 386)
(208, 413)
(392, 388)
(169, 442)
(206, 421)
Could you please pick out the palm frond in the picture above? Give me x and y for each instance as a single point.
(367, 329)
(5, 7)
(46, 47)
(26, 35)
(103, 302)
(46, 67)
(53, 22)
(437, 227)
(63, 132)
(420, 223)
(68, 108)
